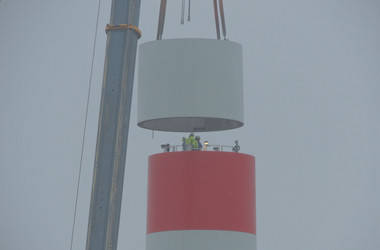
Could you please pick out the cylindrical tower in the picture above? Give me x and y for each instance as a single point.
(190, 84)
(201, 200)
(197, 200)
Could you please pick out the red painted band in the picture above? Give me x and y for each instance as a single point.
(199, 190)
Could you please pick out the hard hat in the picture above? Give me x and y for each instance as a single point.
(197, 137)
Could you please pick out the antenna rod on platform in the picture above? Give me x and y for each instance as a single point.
(115, 106)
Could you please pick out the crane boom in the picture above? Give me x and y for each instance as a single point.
(115, 106)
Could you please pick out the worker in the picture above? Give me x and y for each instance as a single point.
(194, 143)
(198, 145)
(188, 143)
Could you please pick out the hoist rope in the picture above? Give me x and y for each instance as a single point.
(161, 19)
(222, 18)
(85, 127)
(216, 19)
(188, 13)
(183, 12)
(216, 14)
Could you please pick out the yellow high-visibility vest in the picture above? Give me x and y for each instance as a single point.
(192, 142)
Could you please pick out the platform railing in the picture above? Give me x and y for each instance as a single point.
(206, 147)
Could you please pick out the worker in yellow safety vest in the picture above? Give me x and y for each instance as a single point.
(198, 144)
(189, 143)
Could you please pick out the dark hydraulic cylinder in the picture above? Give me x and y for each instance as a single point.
(115, 106)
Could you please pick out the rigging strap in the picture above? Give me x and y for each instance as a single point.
(124, 26)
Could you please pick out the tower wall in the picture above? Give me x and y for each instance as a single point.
(190, 84)
(201, 200)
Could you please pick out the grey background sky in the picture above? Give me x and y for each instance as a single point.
(312, 104)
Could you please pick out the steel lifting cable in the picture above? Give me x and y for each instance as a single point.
(188, 13)
(222, 18)
(84, 127)
(221, 9)
(161, 20)
(216, 19)
(183, 12)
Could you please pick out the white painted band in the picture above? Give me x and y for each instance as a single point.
(200, 240)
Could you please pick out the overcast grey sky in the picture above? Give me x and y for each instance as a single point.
(312, 105)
